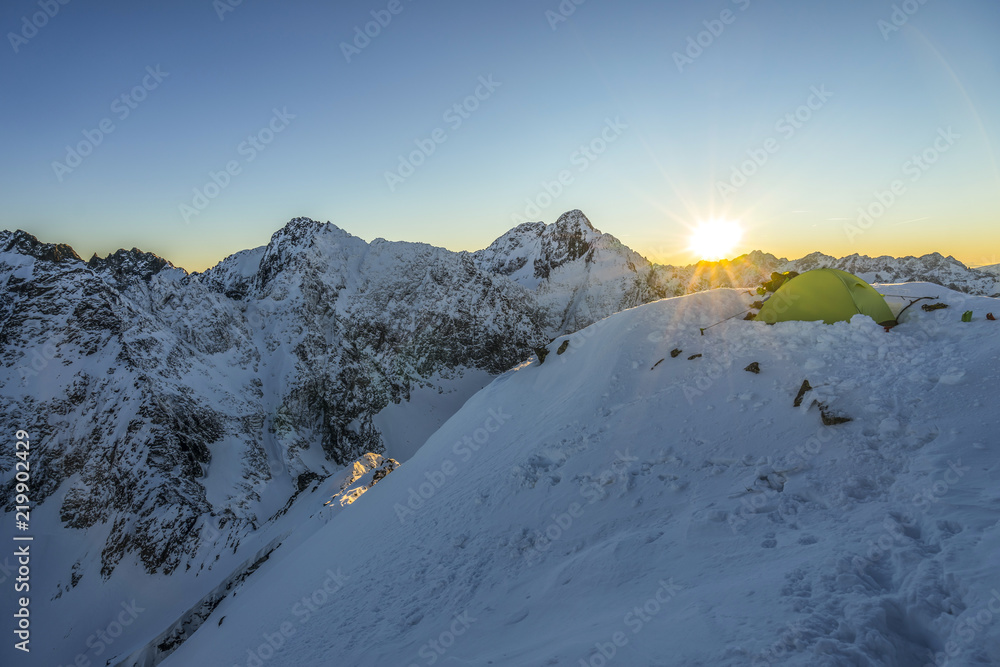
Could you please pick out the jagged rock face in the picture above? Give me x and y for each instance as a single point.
(126, 266)
(123, 427)
(23, 243)
(530, 252)
(577, 274)
(142, 376)
(569, 239)
(370, 469)
(364, 323)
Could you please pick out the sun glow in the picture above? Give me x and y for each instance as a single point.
(715, 239)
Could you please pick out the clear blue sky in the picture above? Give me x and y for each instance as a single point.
(892, 92)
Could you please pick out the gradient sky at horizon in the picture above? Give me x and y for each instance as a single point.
(679, 132)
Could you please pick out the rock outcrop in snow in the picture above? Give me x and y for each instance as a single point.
(365, 473)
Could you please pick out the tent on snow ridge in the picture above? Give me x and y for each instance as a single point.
(829, 295)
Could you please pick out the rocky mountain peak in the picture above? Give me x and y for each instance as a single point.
(759, 258)
(126, 266)
(24, 243)
(287, 244)
(301, 229)
(570, 238)
(575, 222)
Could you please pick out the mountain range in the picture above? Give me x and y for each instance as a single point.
(185, 424)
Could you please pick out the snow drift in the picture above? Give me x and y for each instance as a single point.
(619, 503)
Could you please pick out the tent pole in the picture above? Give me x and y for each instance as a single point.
(704, 329)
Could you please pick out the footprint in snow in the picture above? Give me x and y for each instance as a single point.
(814, 364)
(516, 617)
(952, 377)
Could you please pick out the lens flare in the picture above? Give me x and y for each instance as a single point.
(715, 239)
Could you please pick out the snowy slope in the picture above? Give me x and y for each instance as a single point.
(406, 425)
(607, 504)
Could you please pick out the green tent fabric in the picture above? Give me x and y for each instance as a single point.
(829, 295)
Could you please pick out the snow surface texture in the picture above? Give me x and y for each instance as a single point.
(186, 425)
(609, 507)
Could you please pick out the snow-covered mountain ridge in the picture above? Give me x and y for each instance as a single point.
(933, 268)
(185, 423)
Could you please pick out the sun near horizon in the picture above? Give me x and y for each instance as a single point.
(714, 240)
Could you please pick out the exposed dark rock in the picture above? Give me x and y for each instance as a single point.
(25, 244)
(829, 418)
(806, 387)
